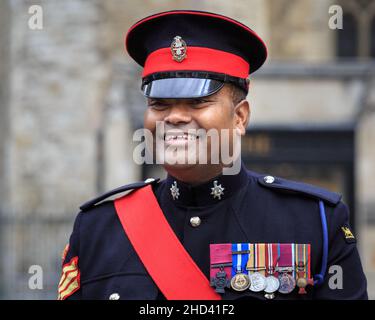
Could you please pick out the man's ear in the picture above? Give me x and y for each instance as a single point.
(241, 116)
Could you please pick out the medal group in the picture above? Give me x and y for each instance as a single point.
(266, 268)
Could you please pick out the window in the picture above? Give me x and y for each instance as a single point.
(357, 38)
(373, 37)
(347, 39)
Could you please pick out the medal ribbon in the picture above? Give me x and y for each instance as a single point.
(301, 260)
(308, 261)
(272, 257)
(260, 258)
(240, 259)
(251, 260)
(303, 265)
(293, 259)
(287, 256)
(277, 245)
(220, 257)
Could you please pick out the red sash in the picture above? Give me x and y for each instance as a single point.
(162, 254)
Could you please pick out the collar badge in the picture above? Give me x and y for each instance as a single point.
(175, 192)
(217, 190)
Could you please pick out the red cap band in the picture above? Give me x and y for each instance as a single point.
(197, 59)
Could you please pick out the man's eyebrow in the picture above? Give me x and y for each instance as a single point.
(208, 98)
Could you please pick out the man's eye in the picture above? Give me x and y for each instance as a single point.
(199, 101)
(157, 105)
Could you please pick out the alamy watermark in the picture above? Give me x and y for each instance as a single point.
(336, 17)
(335, 278)
(188, 146)
(335, 281)
(35, 21)
(36, 279)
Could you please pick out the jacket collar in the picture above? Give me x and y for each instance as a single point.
(211, 192)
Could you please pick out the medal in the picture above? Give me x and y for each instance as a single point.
(287, 283)
(240, 281)
(301, 283)
(272, 281)
(220, 266)
(256, 266)
(220, 281)
(258, 282)
(302, 264)
(286, 268)
(272, 285)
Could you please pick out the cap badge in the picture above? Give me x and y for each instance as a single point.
(178, 49)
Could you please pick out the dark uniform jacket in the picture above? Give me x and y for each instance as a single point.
(250, 211)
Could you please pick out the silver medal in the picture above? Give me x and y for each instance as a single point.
(272, 284)
(258, 282)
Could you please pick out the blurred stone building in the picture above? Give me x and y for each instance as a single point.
(70, 102)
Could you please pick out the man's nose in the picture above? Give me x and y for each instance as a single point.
(179, 113)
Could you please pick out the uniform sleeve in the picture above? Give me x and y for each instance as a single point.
(344, 278)
(69, 286)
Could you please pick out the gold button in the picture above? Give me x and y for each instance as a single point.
(195, 221)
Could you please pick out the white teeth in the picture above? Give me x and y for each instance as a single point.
(180, 137)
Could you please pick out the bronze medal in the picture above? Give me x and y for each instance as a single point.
(301, 282)
(287, 283)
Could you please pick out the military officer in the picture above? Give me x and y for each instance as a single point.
(202, 234)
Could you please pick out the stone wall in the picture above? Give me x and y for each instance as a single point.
(51, 113)
(58, 80)
(292, 22)
(5, 23)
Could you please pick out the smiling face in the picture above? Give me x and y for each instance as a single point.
(184, 120)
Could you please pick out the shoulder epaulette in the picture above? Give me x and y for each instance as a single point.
(132, 186)
(298, 187)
